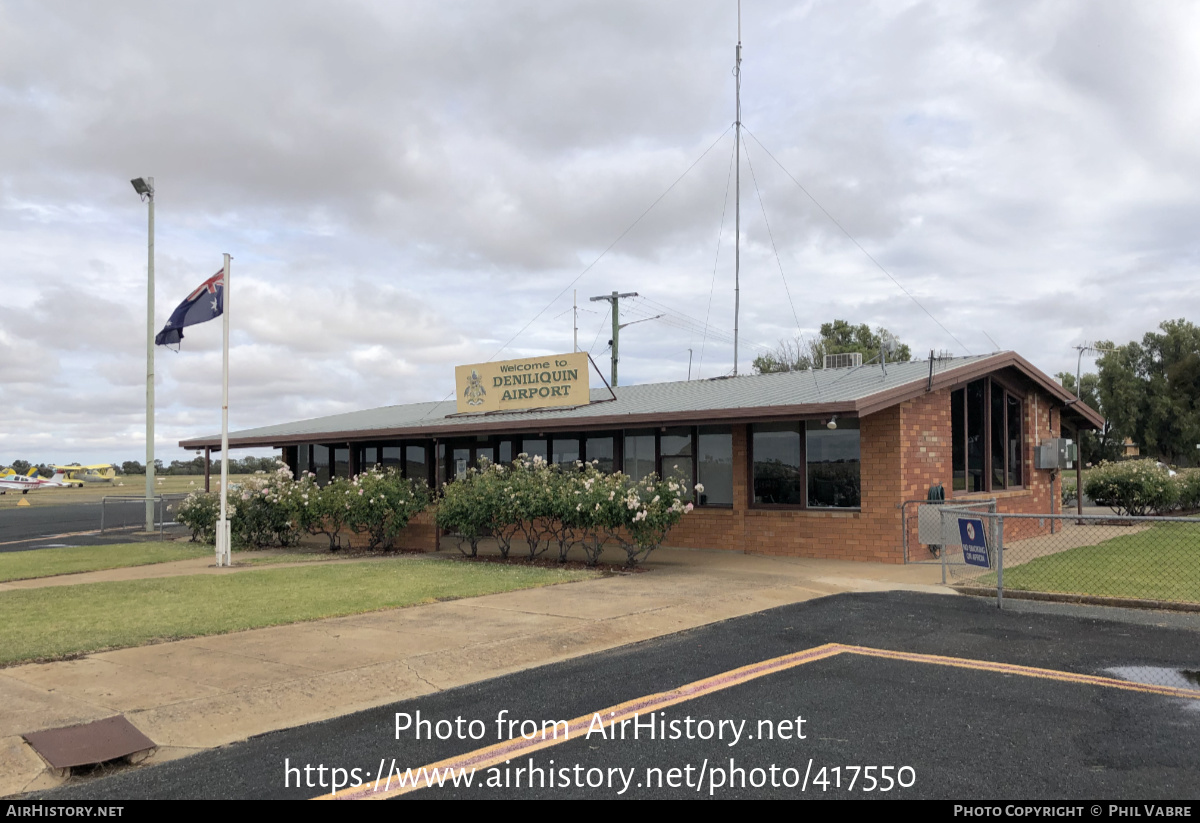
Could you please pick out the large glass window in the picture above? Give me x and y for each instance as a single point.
(986, 427)
(714, 467)
(832, 459)
(416, 463)
(534, 448)
(341, 461)
(565, 451)
(506, 452)
(639, 454)
(778, 469)
(390, 457)
(807, 464)
(600, 449)
(675, 448)
(321, 464)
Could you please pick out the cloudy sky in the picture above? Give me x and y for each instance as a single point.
(407, 186)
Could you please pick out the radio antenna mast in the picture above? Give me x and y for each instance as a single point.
(737, 220)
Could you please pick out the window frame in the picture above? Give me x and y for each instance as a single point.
(802, 430)
(993, 389)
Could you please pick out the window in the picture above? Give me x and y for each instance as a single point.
(986, 427)
(778, 466)
(714, 469)
(807, 464)
(565, 451)
(600, 449)
(640, 457)
(320, 463)
(416, 463)
(675, 448)
(832, 461)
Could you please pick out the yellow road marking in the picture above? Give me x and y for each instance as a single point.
(508, 749)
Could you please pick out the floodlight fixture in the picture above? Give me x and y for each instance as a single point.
(832, 424)
(142, 187)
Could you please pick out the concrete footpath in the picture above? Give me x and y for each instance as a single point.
(192, 695)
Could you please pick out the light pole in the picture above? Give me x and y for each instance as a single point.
(144, 186)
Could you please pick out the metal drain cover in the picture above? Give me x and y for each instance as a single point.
(89, 743)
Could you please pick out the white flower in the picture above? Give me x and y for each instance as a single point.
(699, 488)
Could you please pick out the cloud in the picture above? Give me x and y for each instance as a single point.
(406, 187)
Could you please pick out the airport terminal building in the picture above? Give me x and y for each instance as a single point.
(803, 464)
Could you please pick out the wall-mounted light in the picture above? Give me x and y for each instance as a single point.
(832, 424)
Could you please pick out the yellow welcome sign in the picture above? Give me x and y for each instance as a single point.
(532, 383)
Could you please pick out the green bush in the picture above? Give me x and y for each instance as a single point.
(1067, 491)
(262, 510)
(551, 506)
(274, 509)
(381, 503)
(199, 512)
(1188, 482)
(1133, 487)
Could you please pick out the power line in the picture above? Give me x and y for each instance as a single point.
(878, 265)
(608, 248)
(774, 248)
(716, 258)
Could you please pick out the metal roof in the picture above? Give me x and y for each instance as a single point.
(859, 390)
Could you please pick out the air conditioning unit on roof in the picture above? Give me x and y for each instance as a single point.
(843, 361)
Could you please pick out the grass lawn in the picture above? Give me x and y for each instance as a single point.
(44, 624)
(1162, 563)
(49, 562)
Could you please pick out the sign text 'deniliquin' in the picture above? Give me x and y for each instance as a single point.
(532, 383)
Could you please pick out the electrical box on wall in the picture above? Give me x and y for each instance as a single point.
(1055, 453)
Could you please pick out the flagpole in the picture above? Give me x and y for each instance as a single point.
(224, 554)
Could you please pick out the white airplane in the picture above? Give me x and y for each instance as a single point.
(58, 481)
(24, 482)
(12, 480)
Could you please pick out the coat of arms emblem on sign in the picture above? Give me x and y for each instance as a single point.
(474, 391)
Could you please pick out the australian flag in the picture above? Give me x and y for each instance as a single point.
(203, 304)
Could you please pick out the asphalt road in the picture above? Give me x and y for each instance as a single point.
(75, 524)
(947, 728)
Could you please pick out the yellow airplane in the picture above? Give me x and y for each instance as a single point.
(76, 475)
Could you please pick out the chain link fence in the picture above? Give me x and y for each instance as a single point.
(1149, 562)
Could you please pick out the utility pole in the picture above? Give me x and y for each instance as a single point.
(616, 325)
(145, 188)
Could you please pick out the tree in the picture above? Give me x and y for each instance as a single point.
(838, 337)
(1151, 391)
(21, 466)
(1093, 446)
(132, 467)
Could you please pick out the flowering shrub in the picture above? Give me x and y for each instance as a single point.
(459, 512)
(549, 506)
(272, 509)
(380, 504)
(1133, 487)
(262, 510)
(1189, 489)
(655, 506)
(199, 512)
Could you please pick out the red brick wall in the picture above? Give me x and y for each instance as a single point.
(872, 533)
(418, 535)
(905, 450)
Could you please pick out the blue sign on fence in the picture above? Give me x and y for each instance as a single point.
(974, 542)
